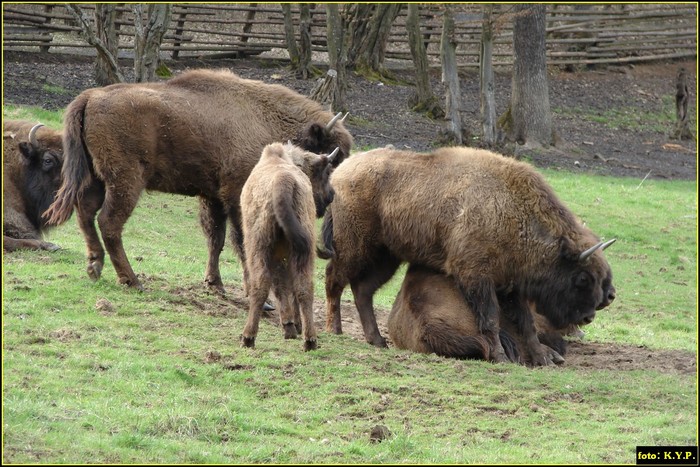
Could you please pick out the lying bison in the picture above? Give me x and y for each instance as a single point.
(279, 205)
(198, 134)
(490, 222)
(32, 160)
(430, 315)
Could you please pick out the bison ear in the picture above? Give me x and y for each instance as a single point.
(314, 134)
(567, 250)
(28, 152)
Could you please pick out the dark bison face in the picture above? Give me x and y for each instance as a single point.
(574, 289)
(41, 176)
(322, 140)
(321, 184)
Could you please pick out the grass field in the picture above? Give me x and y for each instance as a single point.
(97, 373)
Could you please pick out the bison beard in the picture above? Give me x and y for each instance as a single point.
(491, 223)
(198, 134)
(32, 160)
(279, 203)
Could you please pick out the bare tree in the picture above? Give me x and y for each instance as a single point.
(529, 118)
(289, 35)
(682, 130)
(107, 58)
(148, 38)
(300, 57)
(486, 81)
(337, 57)
(448, 57)
(106, 31)
(424, 100)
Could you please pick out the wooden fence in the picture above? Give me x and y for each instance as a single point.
(576, 34)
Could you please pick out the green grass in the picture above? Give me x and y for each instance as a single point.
(160, 377)
(51, 118)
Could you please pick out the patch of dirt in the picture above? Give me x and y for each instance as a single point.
(380, 115)
(635, 96)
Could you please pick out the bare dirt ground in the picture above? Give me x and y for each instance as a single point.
(380, 116)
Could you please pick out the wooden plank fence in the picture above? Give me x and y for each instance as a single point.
(596, 34)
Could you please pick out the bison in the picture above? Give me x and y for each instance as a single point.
(279, 204)
(198, 134)
(430, 315)
(32, 160)
(490, 222)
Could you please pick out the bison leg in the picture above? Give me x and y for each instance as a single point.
(363, 288)
(304, 306)
(212, 218)
(283, 291)
(86, 210)
(481, 298)
(538, 354)
(334, 290)
(13, 244)
(116, 210)
(259, 288)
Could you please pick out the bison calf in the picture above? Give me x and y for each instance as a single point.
(430, 315)
(279, 205)
(32, 160)
(490, 222)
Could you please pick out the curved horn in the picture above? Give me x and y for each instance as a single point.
(332, 122)
(586, 254)
(344, 117)
(332, 155)
(607, 244)
(32, 135)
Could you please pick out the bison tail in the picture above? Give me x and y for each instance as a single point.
(325, 250)
(283, 203)
(76, 171)
(447, 342)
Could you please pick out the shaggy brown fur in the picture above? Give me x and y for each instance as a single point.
(490, 222)
(198, 134)
(31, 175)
(278, 206)
(430, 315)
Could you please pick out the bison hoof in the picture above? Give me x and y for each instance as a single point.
(50, 246)
(500, 357)
(268, 307)
(216, 287)
(333, 328)
(379, 342)
(548, 356)
(310, 345)
(248, 342)
(290, 331)
(94, 270)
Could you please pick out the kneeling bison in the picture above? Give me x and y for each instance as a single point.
(32, 160)
(198, 134)
(430, 315)
(490, 222)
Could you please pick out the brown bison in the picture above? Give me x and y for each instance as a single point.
(430, 315)
(198, 134)
(32, 160)
(279, 205)
(490, 222)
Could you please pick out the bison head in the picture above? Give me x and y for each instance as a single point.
(322, 139)
(579, 284)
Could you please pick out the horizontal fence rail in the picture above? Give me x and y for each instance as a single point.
(576, 34)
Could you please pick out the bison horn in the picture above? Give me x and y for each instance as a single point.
(32, 134)
(586, 254)
(333, 121)
(344, 117)
(332, 155)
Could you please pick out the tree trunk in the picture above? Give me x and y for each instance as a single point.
(305, 68)
(425, 100)
(448, 57)
(357, 17)
(337, 56)
(371, 53)
(682, 130)
(105, 30)
(486, 81)
(529, 108)
(289, 36)
(108, 58)
(148, 38)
